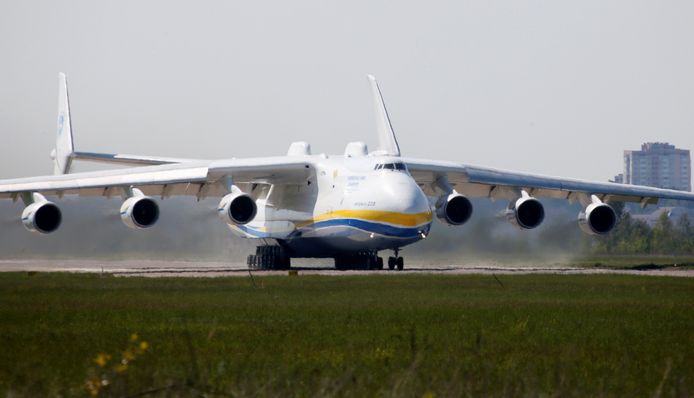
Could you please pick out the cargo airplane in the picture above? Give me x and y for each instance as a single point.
(347, 207)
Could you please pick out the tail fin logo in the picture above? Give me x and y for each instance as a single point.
(61, 122)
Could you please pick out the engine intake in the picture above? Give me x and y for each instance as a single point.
(597, 219)
(139, 212)
(455, 209)
(526, 212)
(237, 208)
(43, 217)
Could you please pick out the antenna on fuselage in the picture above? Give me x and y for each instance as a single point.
(387, 143)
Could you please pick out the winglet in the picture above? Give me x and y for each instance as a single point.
(387, 143)
(62, 154)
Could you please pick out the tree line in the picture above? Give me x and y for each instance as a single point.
(631, 236)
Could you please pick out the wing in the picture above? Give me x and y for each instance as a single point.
(201, 179)
(474, 181)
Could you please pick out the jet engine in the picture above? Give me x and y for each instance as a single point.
(455, 209)
(525, 212)
(43, 217)
(237, 208)
(597, 219)
(139, 212)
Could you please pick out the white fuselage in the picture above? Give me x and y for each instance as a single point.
(351, 204)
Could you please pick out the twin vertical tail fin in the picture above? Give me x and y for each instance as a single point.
(65, 151)
(64, 148)
(387, 143)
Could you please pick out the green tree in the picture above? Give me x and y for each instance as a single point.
(685, 225)
(622, 234)
(686, 234)
(664, 239)
(629, 237)
(614, 242)
(640, 238)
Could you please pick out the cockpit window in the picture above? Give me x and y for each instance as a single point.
(399, 166)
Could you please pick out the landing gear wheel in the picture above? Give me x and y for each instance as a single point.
(372, 262)
(400, 263)
(391, 263)
(365, 260)
(269, 257)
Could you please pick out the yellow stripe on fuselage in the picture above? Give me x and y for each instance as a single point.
(389, 217)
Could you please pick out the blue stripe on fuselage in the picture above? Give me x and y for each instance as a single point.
(366, 226)
(372, 227)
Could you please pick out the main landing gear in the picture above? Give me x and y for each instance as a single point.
(368, 260)
(269, 257)
(361, 260)
(396, 261)
(274, 257)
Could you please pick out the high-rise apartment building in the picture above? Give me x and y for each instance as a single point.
(659, 165)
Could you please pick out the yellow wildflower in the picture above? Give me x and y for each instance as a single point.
(102, 359)
(144, 345)
(134, 337)
(92, 386)
(128, 355)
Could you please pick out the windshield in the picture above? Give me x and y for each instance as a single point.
(399, 166)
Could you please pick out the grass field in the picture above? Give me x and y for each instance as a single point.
(387, 335)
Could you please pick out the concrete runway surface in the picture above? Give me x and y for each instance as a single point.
(152, 268)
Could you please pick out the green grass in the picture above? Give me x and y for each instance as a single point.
(388, 335)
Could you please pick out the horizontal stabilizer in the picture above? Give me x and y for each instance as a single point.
(129, 160)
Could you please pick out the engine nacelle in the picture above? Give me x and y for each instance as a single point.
(237, 208)
(43, 217)
(526, 212)
(139, 212)
(455, 209)
(597, 219)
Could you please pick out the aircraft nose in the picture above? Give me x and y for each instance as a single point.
(404, 195)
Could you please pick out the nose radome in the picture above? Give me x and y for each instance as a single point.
(403, 194)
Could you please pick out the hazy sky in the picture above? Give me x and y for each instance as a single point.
(552, 87)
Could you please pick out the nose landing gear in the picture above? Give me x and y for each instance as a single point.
(396, 261)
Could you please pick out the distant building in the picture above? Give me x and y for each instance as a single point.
(618, 179)
(659, 165)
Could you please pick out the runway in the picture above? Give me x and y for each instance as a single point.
(149, 268)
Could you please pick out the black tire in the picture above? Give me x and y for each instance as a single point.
(283, 262)
(391, 263)
(370, 263)
(379, 263)
(400, 263)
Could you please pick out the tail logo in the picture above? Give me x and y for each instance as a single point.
(61, 122)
